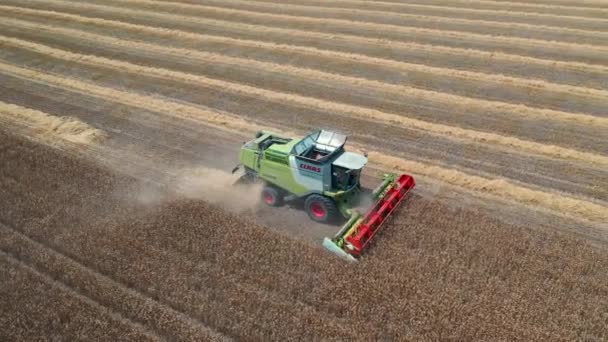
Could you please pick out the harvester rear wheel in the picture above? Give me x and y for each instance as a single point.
(272, 196)
(321, 208)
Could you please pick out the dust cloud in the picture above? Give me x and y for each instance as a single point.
(217, 187)
(207, 184)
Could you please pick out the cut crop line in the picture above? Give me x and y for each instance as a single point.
(160, 120)
(330, 78)
(376, 27)
(558, 204)
(315, 104)
(581, 4)
(350, 57)
(492, 40)
(466, 7)
(496, 57)
(416, 20)
(115, 315)
(320, 11)
(50, 254)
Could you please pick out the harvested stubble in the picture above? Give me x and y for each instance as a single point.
(435, 272)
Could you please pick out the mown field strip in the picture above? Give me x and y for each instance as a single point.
(183, 137)
(397, 91)
(491, 10)
(317, 104)
(448, 22)
(105, 290)
(475, 59)
(475, 7)
(559, 204)
(569, 3)
(77, 295)
(293, 14)
(544, 49)
(144, 127)
(479, 80)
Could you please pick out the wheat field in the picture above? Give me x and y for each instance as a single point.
(498, 108)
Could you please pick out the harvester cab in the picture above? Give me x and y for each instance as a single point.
(319, 171)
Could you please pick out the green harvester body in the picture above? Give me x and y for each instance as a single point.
(318, 170)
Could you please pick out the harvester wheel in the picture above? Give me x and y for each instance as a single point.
(321, 208)
(272, 196)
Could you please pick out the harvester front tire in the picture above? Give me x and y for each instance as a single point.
(321, 209)
(272, 196)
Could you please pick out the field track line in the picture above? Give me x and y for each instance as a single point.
(566, 3)
(317, 104)
(315, 76)
(263, 31)
(377, 27)
(559, 204)
(19, 263)
(488, 42)
(189, 128)
(482, 78)
(467, 5)
(71, 273)
(499, 23)
(427, 20)
(466, 9)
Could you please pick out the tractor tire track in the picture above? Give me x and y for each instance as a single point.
(105, 319)
(40, 206)
(100, 288)
(92, 248)
(528, 47)
(535, 93)
(558, 204)
(178, 58)
(572, 73)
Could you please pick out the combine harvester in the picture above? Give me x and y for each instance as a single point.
(317, 170)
